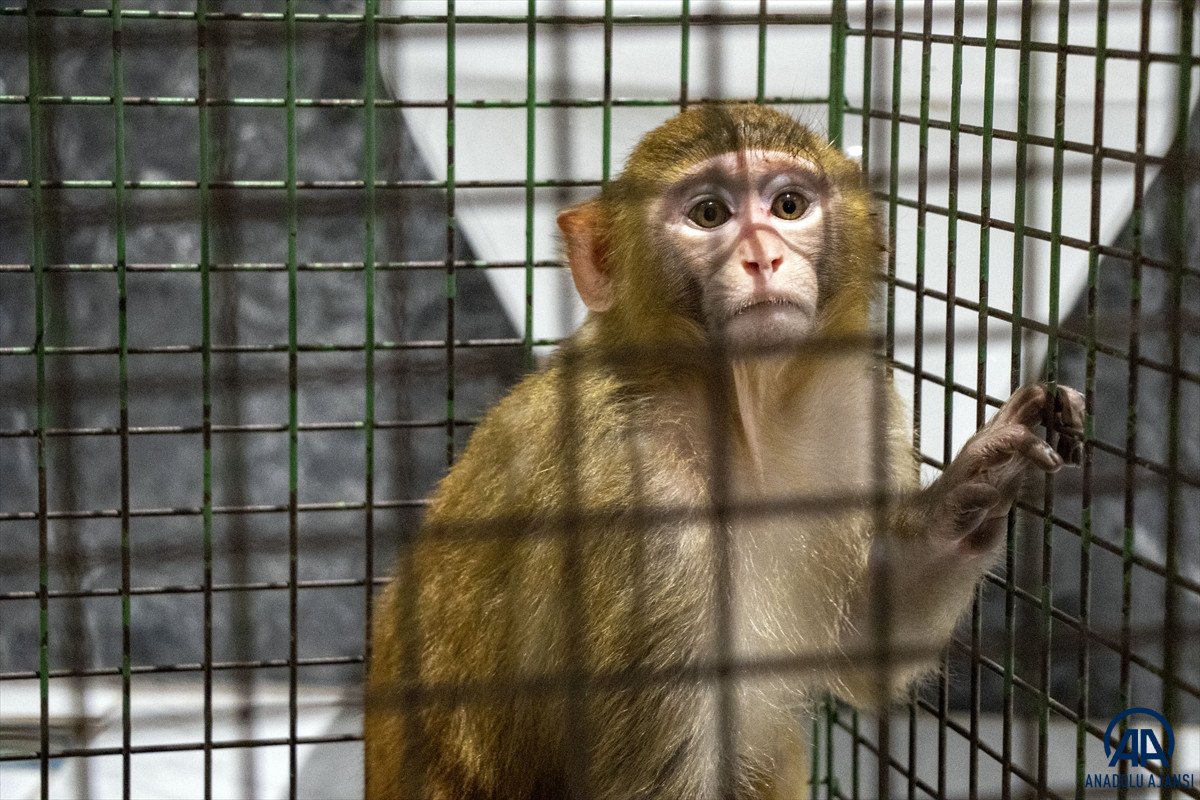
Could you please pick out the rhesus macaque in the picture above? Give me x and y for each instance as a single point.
(655, 551)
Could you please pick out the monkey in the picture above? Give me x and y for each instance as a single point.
(703, 513)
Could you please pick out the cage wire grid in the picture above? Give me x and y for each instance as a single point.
(1024, 673)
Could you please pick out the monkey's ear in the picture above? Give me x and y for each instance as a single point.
(587, 255)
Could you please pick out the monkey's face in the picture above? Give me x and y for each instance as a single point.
(736, 223)
(748, 230)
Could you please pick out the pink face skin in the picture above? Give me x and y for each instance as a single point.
(749, 228)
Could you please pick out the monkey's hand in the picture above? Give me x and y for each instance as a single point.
(944, 536)
(967, 505)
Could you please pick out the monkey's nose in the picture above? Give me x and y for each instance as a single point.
(764, 265)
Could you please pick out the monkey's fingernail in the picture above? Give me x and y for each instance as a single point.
(1048, 457)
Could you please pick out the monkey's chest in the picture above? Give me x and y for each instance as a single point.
(791, 575)
(800, 555)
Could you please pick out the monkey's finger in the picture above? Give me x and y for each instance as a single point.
(995, 446)
(1069, 415)
(1069, 447)
(1067, 429)
(1069, 409)
(1026, 406)
(1040, 452)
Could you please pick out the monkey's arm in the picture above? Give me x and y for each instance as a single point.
(940, 542)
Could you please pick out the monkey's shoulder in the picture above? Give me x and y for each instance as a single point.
(564, 433)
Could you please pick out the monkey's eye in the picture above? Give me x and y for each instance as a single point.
(789, 205)
(709, 213)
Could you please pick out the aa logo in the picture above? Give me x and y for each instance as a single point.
(1140, 746)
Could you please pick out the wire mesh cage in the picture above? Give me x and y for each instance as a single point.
(264, 266)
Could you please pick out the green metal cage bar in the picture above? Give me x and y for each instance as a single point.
(451, 228)
(1131, 421)
(1089, 391)
(1176, 243)
(122, 398)
(1049, 615)
(293, 356)
(530, 174)
(883, 739)
(1015, 369)
(1051, 375)
(948, 362)
(837, 73)
(920, 297)
(985, 208)
(760, 81)
(206, 378)
(38, 259)
(834, 124)
(370, 159)
(893, 192)
(685, 36)
(607, 101)
(205, 211)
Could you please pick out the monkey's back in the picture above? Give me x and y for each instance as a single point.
(538, 572)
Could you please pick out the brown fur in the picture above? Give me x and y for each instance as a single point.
(554, 629)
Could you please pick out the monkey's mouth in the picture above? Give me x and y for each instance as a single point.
(775, 320)
(762, 304)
